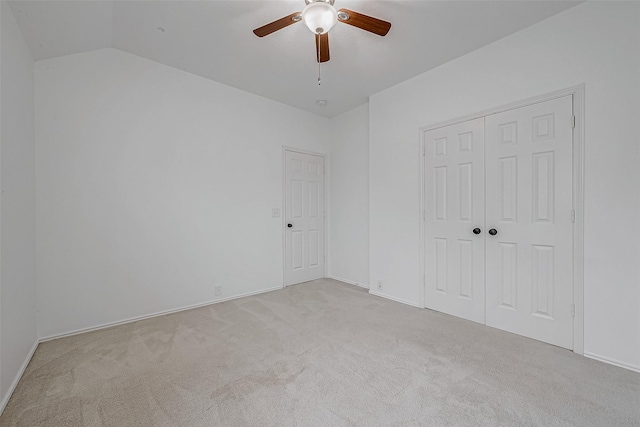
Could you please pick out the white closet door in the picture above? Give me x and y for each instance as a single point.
(529, 282)
(454, 207)
(304, 215)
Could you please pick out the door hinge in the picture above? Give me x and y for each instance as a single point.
(423, 150)
(424, 215)
(573, 216)
(573, 310)
(424, 279)
(573, 122)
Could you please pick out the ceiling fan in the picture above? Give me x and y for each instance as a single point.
(320, 16)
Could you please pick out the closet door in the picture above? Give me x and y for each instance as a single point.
(529, 283)
(454, 208)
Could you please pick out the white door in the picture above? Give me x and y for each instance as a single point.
(304, 217)
(454, 208)
(529, 279)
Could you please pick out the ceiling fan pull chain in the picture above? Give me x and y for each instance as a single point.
(319, 40)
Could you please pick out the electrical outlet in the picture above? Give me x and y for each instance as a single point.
(380, 284)
(218, 290)
(275, 212)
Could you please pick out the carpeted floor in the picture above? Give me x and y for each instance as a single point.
(320, 353)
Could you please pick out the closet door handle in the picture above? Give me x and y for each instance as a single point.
(493, 231)
(477, 231)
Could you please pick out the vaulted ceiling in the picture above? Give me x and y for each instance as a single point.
(214, 39)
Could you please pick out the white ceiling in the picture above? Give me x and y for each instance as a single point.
(214, 39)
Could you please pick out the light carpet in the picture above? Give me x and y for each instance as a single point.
(321, 353)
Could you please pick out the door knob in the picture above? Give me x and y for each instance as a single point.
(289, 225)
(477, 231)
(493, 231)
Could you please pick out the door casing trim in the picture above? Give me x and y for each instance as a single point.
(578, 95)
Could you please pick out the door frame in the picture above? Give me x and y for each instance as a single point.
(578, 93)
(283, 209)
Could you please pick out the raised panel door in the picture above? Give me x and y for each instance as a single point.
(304, 211)
(529, 279)
(454, 207)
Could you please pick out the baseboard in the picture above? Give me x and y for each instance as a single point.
(16, 380)
(350, 282)
(381, 295)
(612, 362)
(149, 316)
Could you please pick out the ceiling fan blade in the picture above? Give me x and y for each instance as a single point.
(322, 47)
(365, 22)
(274, 26)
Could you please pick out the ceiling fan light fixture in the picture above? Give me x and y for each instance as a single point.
(319, 17)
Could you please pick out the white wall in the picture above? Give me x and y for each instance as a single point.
(18, 330)
(596, 43)
(349, 197)
(154, 185)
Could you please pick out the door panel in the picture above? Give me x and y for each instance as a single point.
(304, 210)
(454, 206)
(529, 279)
